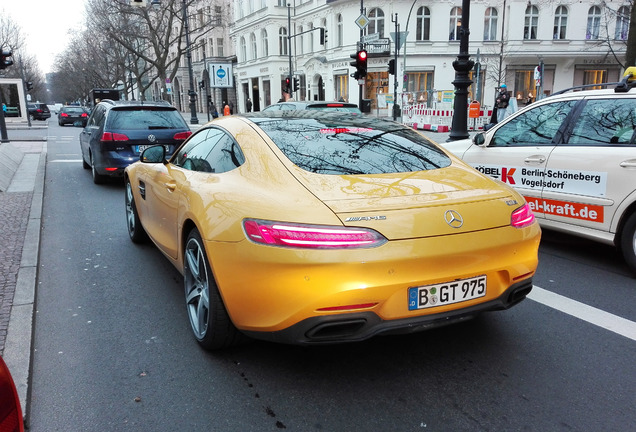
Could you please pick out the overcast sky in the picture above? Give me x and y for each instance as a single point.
(46, 25)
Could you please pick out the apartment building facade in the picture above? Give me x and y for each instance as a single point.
(576, 42)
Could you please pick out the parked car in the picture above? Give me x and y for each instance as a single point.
(573, 157)
(317, 105)
(39, 111)
(72, 115)
(313, 228)
(118, 131)
(12, 111)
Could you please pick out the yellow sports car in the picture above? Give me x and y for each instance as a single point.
(310, 228)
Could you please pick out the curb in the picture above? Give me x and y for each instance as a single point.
(18, 346)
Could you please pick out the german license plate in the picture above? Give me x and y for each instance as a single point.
(447, 293)
(141, 148)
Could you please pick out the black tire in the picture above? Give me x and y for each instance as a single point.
(628, 242)
(209, 320)
(136, 231)
(97, 177)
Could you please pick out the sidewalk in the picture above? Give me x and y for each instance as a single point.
(20, 222)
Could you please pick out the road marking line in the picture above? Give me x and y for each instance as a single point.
(65, 160)
(606, 320)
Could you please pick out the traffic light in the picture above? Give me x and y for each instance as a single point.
(29, 85)
(201, 84)
(360, 64)
(392, 67)
(5, 58)
(323, 36)
(288, 87)
(296, 84)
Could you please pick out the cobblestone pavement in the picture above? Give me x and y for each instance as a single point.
(14, 215)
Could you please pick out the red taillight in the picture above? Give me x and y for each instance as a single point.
(63, 115)
(522, 217)
(310, 236)
(182, 135)
(10, 410)
(111, 136)
(39, 110)
(84, 115)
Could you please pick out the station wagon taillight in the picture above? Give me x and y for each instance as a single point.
(182, 135)
(112, 136)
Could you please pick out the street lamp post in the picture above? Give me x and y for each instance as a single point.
(463, 65)
(191, 92)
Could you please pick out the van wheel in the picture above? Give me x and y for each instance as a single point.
(628, 242)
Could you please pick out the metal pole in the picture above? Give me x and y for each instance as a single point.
(463, 65)
(191, 92)
(289, 39)
(405, 85)
(395, 81)
(361, 86)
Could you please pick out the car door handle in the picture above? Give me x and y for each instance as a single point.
(628, 164)
(538, 159)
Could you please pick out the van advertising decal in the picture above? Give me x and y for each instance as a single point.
(587, 212)
(590, 183)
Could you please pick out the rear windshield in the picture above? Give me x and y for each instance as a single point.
(143, 119)
(344, 147)
(73, 110)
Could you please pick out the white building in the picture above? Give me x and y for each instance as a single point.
(578, 42)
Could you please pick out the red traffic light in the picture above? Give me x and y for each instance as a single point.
(362, 55)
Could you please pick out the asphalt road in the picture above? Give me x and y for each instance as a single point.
(113, 349)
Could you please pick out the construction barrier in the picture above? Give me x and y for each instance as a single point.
(421, 117)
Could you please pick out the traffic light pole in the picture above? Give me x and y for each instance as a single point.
(360, 47)
(396, 107)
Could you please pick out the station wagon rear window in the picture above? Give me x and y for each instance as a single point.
(145, 119)
(342, 148)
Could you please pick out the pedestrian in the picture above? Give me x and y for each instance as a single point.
(215, 113)
(226, 109)
(231, 107)
(248, 105)
(503, 99)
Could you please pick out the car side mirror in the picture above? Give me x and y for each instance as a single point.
(154, 154)
(10, 410)
(479, 139)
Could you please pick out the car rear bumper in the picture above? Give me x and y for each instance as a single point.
(359, 326)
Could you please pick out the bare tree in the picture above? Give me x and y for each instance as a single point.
(151, 38)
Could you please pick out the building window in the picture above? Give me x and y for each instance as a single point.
(323, 24)
(282, 3)
(423, 24)
(243, 50)
(264, 43)
(239, 6)
(300, 43)
(622, 23)
(219, 47)
(560, 22)
(339, 30)
(419, 83)
(310, 35)
(253, 46)
(282, 41)
(455, 23)
(210, 47)
(593, 23)
(525, 87)
(342, 87)
(595, 77)
(376, 22)
(490, 24)
(531, 22)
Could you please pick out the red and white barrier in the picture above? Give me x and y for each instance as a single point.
(438, 120)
